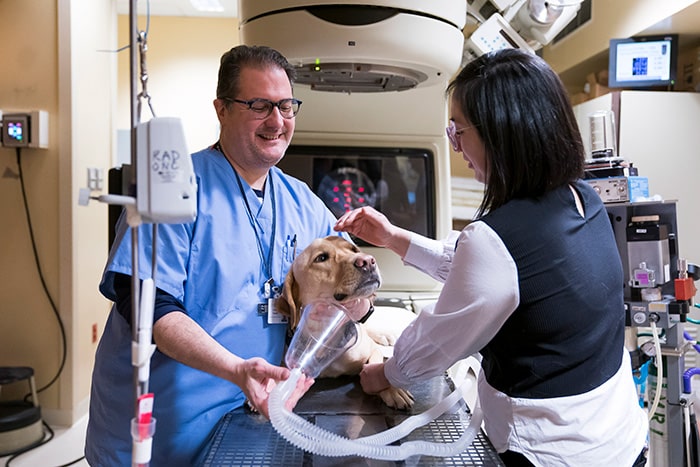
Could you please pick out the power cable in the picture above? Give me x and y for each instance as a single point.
(47, 428)
(41, 277)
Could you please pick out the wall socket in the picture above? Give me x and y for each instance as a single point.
(95, 179)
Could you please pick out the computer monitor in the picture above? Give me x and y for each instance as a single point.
(643, 61)
(405, 182)
(399, 182)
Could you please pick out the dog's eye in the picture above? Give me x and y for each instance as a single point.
(321, 258)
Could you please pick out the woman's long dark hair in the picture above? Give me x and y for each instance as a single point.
(523, 115)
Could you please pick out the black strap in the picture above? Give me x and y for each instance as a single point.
(366, 316)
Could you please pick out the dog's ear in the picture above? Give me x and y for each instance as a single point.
(287, 303)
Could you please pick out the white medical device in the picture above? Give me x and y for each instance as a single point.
(525, 24)
(494, 34)
(364, 46)
(166, 188)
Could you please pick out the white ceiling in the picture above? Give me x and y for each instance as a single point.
(177, 8)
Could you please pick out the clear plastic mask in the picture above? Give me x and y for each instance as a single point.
(324, 333)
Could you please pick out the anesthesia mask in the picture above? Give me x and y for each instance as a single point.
(324, 333)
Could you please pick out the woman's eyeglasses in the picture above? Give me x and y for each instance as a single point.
(455, 135)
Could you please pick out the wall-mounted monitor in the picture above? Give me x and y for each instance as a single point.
(643, 61)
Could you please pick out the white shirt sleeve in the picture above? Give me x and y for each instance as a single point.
(433, 257)
(480, 293)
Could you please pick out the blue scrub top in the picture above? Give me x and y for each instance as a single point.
(214, 267)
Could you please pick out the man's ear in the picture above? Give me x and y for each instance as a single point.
(287, 303)
(220, 106)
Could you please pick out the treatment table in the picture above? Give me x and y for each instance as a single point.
(242, 438)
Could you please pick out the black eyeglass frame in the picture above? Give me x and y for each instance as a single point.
(269, 105)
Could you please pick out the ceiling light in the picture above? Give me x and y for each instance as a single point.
(207, 5)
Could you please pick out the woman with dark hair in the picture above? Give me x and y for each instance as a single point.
(534, 284)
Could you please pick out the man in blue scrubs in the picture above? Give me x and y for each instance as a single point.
(216, 346)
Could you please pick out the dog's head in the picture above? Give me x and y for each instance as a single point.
(329, 268)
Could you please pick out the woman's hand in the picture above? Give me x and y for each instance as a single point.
(372, 378)
(373, 227)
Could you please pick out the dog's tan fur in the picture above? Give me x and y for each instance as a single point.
(332, 268)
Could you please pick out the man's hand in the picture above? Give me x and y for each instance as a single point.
(257, 378)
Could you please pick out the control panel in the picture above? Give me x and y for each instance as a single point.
(25, 129)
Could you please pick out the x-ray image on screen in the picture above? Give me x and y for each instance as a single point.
(397, 182)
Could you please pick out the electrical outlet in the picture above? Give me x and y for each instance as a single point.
(96, 178)
(94, 333)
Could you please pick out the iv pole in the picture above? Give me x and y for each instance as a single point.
(135, 288)
(159, 194)
(143, 425)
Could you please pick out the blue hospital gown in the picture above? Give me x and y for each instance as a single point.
(213, 266)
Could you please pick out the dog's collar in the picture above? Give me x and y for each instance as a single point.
(361, 320)
(367, 315)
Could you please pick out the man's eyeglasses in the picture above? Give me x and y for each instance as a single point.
(262, 108)
(455, 135)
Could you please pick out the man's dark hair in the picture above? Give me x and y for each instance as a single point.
(233, 61)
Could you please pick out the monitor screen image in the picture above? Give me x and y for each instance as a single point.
(399, 182)
(643, 62)
(15, 130)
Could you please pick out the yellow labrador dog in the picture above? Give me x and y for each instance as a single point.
(332, 268)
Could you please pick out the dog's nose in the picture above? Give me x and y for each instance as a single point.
(365, 262)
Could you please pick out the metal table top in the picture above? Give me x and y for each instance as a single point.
(339, 405)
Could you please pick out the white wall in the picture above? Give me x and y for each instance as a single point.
(182, 63)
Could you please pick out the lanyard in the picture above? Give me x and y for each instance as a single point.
(266, 262)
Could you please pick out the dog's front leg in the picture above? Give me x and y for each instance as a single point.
(395, 398)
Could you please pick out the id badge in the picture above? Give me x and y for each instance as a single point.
(274, 316)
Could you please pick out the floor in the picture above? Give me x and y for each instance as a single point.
(65, 448)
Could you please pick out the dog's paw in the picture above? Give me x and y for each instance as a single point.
(397, 398)
(382, 338)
